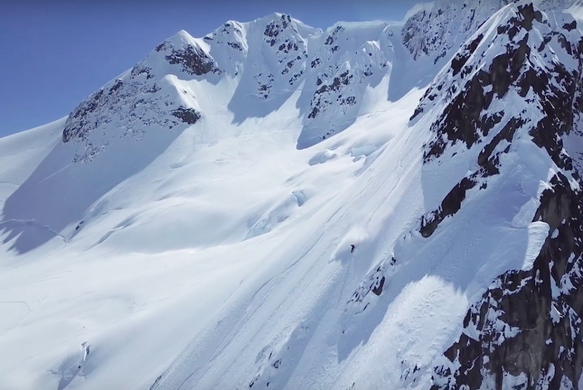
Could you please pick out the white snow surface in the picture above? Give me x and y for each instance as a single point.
(218, 255)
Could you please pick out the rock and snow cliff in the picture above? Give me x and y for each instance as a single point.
(520, 82)
(375, 204)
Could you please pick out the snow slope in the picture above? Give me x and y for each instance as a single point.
(190, 225)
(21, 153)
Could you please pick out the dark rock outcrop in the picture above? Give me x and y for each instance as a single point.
(373, 282)
(342, 79)
(187, 115)
(284, 42)
(525, 331)
(274, 28)
(92, 112)
(449, 206)
(429, 32)
(528, 324)
(466, 117)
(193, 60)
(128, 107)
(458, 62)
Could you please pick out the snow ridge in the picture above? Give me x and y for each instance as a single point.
(539, 72)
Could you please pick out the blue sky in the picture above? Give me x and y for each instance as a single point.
(56, 53)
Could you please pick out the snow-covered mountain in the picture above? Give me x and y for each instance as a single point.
(378, 205)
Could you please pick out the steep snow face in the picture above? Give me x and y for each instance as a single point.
(148, 96)
(284, 52)
(276, 57)
(228, 46)
(350, 60)
(512, 96)
(275, 206)
(149, 106)
(255, 66)
(21, 153)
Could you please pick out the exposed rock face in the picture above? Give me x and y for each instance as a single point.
(340, 73)
(187, 115)
(465, 119)
(332, 82)
(468, 118)
(286, 51)
(136, 102)
(335, 86)
(192, 59)
(374, 283)
(230, 34)
(437, 29)
(429, 32)
(336, 70)
(525, 331)
(184, 51)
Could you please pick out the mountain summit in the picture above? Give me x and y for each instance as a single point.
(273, 206)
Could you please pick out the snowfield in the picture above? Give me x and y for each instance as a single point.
(189, 226)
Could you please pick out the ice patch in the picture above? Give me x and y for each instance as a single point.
(537, 234)
(277, 215)
(363, 150)
(524, 216)
(322, 157)
(300, 197)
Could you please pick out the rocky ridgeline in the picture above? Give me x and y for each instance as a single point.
(139, 100)
(273, 53)
(440, 28)
(525, 331)
(126, 107)
(191, 58)
(475, 83)
(285, 54)
(340, 71)
(334, 80)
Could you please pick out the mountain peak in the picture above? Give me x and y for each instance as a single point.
(377, 204)
(284, 17)
(181, 36)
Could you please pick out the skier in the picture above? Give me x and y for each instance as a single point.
(352, 248)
